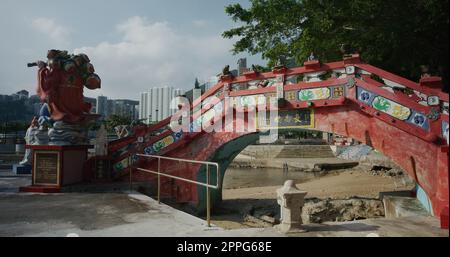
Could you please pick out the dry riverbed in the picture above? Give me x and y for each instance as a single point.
(350, 194)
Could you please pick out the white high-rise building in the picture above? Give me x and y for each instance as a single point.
(211, 82)
(154, 105)
(143, 112)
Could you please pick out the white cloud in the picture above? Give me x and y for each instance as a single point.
(56, 32)
(200, 23)
(155, 54)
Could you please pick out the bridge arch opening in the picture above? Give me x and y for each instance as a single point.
(254, 198)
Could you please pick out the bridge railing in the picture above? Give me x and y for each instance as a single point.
(358, 71)
(207, 184)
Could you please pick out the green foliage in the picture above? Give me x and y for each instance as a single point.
(10, 127)
(260, 68)
(398, 36)
(116, 120)
(95, 125)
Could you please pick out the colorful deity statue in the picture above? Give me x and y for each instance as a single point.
(60, 87)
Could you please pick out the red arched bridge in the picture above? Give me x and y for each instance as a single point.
(404, 120)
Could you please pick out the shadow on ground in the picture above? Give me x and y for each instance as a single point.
(353, 227)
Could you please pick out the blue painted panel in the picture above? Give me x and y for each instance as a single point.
(365, 96)
(419, 119)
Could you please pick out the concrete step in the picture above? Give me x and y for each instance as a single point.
(289, 151)
(320, 151)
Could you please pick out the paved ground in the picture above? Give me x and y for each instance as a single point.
(115, 214)
(103, 214)
(10, 182)
(134, 214)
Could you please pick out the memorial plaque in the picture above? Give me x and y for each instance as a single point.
(301, 118)
(46, 168)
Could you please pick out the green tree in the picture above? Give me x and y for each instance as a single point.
(398, 36)
(116, 120)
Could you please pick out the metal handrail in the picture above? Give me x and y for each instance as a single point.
(207, 184)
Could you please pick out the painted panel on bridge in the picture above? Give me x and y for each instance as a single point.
(392, 108)
(301, 118)
(314, 94)
(338, 91)
(383, 104)
(291, 95)
(250, 100)
(118, 166)
(419, 120)
(163, 143)
(122, 164)
(365, 96)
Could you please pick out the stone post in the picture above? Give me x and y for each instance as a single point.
(101, 142)
(291, 201)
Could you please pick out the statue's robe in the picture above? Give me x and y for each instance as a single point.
(63, 92)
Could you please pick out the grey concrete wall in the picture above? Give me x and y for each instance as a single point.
(288, 151)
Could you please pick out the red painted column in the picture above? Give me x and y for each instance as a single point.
(440, 203)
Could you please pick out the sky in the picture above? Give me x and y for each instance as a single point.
(134, 45)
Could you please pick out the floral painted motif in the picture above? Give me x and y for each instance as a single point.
(306, 95)
(392, 108)
(163, 143)
(251, 100)
(314, 94)
(120, 165)
(381, 104)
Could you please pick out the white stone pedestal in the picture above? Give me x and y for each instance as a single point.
(291, 201)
